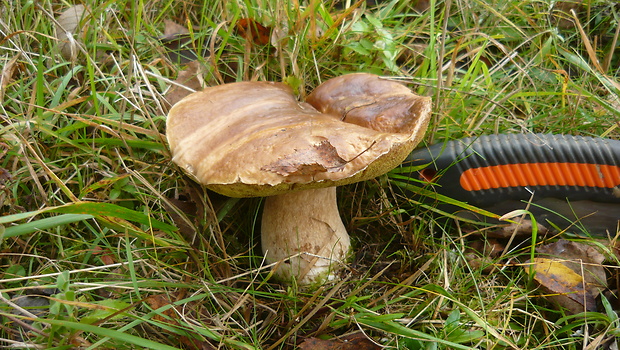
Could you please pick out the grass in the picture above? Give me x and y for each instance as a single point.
(139, 256)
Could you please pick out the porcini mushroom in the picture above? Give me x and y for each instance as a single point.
(255, 139)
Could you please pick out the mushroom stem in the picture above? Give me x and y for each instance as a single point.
(305, 226)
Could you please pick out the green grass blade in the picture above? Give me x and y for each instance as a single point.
(113, 334)
(112, 210)
(44, 224)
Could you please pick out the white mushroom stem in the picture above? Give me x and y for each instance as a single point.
(305, 226)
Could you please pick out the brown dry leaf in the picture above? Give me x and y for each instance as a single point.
(561, 15)
(481, 253)
(520, 228)
(173, 29)
(183, 211)
(157, 301)
(106, 256)
(5, 176)
(320, 158)
(10, 69)
(188, 81)
(254, 31)
(413, 53)
(421, 5)
(4, 149)
(5, 194)
(68, 26)
(178, 43)
(161, 300)
(571, 273)
(356, 341)
(78, 341)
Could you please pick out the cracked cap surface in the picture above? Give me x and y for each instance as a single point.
(252, 139)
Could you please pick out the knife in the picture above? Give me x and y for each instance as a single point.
(570, 178)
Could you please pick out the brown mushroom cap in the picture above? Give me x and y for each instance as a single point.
(372, 102)
(255, 139)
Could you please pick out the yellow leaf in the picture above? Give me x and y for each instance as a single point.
(553, 272)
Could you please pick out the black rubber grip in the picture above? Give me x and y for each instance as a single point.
(488, 169)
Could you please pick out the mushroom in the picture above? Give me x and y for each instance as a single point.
(250, 139)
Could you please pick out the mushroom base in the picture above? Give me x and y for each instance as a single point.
(304, 232)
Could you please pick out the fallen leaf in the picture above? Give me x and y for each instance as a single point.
(320, 158)
(413, 53)
(189, 80)
(254, 31)
(173, 29)
(572, 250)
(357, 341)
(24, 305)
(9, 71)
(178, 43)
(4, 149)
(571, 273)
(68, 26)
(106, 256)
(520, 228)
(421, 5)
(183, 212)
(561, 13)
(6, 199)
(482, 253)
(5, 176)
(173, 314)
(157, 301)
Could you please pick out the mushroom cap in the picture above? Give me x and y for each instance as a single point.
(250, 139)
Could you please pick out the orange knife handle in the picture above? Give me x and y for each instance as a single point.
(488, 169)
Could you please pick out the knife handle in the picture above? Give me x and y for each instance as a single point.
(485, 170)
